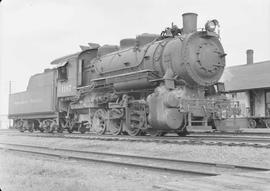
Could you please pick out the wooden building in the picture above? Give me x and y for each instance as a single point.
(250, 85)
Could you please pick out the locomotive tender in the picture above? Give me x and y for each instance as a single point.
(153, 83)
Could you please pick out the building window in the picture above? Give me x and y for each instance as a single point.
(234, 95)
(267, 103)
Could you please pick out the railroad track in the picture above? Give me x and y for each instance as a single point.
(228, 137)
(233, 138)
(136, 161)
(236, 133)
(219, 140)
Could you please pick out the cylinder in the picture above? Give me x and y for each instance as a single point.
(189, 22)
(249, 56)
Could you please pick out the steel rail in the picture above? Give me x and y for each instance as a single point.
(206, 140)
(230, 138)
(141, 157)
(212, 133)
(234, 137)
(121, 163)
(148, 138)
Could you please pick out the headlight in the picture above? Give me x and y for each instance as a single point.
(211, 25)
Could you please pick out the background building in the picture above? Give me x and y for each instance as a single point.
(250, 85)
(4, 122)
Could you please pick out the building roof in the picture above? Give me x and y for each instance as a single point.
(246, 77)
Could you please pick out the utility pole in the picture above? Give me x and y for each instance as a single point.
(9, 89)
(9, 93)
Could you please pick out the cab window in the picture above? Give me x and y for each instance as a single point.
(62, 73)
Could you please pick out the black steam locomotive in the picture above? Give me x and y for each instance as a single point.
(149, 84)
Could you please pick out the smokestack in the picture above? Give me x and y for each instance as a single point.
(189, 22)
(249, 56)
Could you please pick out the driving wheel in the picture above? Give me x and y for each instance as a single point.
(252, 123)
(267, 123)
(99, 122)
(132, 129)
(116, 126)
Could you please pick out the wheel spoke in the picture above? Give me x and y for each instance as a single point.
(132, 129)
(267, 123)
(115, 126)
(99, 122)
(252, 123)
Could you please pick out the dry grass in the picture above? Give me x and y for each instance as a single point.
(35, 173)
(32, 173)
(222, 154)
(20, 173)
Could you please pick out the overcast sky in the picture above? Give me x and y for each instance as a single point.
(34, 32)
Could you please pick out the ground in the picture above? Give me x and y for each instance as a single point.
(31, 173)
(26, 172)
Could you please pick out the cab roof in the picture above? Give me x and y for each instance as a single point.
(63, 60)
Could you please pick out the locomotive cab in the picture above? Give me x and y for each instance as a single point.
(62, 72)
(86, 68)
(66, 75)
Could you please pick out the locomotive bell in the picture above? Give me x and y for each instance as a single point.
(189, 22)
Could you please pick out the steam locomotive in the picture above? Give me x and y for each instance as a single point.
(149, 84)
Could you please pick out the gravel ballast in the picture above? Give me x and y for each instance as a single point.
(237, 155)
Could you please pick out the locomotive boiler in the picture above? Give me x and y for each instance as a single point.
(149, 84)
